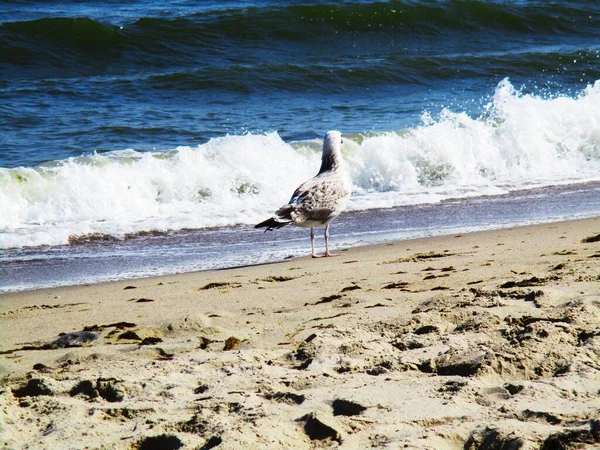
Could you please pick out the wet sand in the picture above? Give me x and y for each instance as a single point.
(480, 340)
(103, 258)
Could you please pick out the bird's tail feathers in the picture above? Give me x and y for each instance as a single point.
(272, 223)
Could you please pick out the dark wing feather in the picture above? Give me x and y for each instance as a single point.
(271, 224)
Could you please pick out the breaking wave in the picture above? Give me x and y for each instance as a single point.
(521, 141)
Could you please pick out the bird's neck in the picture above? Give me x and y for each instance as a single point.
(330, 161)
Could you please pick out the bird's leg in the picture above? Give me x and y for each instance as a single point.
(312, 243)
(327, 242)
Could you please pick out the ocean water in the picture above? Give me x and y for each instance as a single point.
(142, 137)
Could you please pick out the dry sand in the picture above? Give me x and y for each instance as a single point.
(488, 340)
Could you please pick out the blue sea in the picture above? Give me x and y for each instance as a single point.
(143, 137)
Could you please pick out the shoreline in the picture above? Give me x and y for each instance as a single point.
(338, 252)
(194, 250)
(428, 343)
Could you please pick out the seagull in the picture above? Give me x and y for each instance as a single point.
(319, 200)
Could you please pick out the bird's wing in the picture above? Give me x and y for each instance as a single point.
(305, 190)
(319, 199)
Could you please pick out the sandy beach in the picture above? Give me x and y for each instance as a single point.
(487, 340)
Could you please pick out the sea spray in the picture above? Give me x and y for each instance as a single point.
(521, 141)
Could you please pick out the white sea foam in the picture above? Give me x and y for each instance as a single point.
(521, 141)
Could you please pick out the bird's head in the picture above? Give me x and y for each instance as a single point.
(332, 151)
(332, 142)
